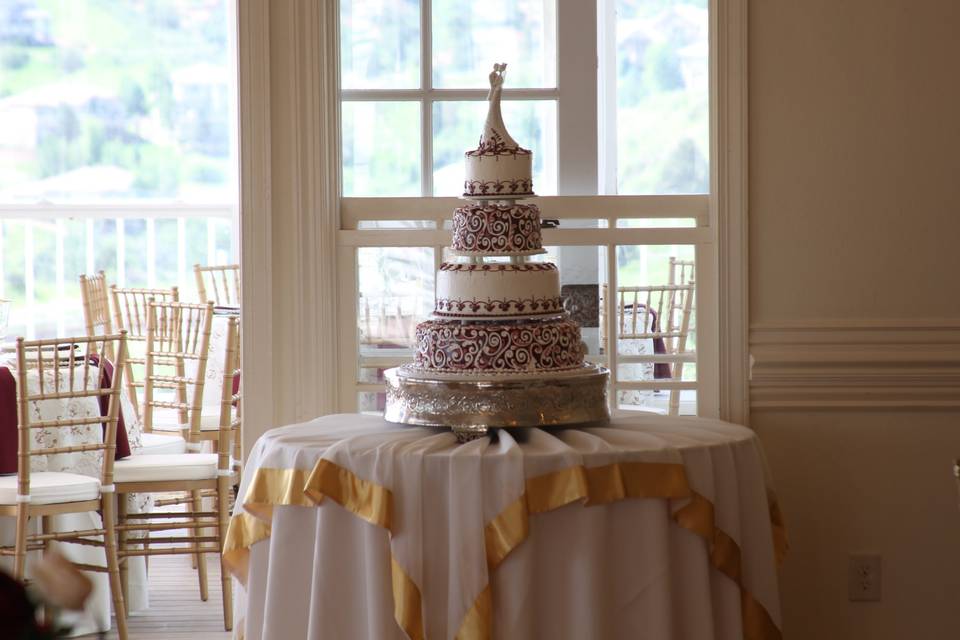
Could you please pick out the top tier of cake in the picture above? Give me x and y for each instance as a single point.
(499, 167)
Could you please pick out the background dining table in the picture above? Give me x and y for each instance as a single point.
(96, 616)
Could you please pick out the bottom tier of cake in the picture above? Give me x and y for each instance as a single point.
(532, 346)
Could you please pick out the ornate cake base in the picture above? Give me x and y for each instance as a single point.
(472, 406)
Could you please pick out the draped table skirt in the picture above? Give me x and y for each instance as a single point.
(655, 527)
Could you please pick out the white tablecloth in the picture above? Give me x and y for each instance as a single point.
(652, 527)
(213, 376)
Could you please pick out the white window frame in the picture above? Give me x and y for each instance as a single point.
(291, 214)
(577, 173)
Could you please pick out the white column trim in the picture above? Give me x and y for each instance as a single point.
(729, 188)
(324, 320)
(306, 162)
(290, 177)
(253, 99)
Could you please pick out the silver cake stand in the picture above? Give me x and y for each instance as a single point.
(471, 407)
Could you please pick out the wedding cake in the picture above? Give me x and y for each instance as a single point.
(499, 350)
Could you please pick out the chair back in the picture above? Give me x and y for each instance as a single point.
(230, 409)
(176, 332)
(96, 305)
(68, 370)
(220, 283)
(681, 271)
(637, 307)
(130, 308)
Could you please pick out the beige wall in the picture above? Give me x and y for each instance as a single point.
(854, 143)
(855, 303)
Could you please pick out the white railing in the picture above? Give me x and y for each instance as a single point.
(70, 238)
(613, 217)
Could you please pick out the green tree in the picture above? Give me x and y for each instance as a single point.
(14, 58)
(161, 93)
(133, 98)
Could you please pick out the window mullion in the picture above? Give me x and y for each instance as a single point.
(577, 104)
(607, 97)
(426, 105)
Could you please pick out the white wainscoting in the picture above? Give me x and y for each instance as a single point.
(856, 364)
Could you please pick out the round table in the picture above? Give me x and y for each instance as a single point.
(652, 526)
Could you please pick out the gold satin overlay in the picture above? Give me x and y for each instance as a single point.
(477, 623)
(593, 486)
(243, 532)
(269, 487)
(298, 487)
(365, 499)
(606, 484)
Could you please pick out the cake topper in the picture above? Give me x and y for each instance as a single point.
(495, 137)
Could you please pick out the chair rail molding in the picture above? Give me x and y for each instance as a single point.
(856, 364)
(290, 176)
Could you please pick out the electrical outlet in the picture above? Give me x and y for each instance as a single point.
(864, 578)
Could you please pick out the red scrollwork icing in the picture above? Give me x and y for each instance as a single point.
(525, 306)
(526, 266)
(495, 145)
(516, 187)
(523, 347)
(497, 228)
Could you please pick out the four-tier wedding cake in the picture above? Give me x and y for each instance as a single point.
(499, 351)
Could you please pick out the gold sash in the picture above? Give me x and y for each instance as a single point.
(593, 486)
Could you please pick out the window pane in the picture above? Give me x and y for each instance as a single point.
(457, 127)
(380, 44)
(123, 100)
(381, 148)
(655, 306)
(469, 37)
(396, 292)
(662, 97)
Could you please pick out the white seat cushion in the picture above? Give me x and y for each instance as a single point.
(169, 419)
(49, 487)
(151, 468)
(160, 444)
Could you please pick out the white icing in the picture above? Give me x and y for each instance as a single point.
(502, 175)
(499, 166)
(504, 290)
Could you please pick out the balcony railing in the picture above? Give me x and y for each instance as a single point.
(44, 249)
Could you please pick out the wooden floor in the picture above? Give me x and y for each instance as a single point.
(176, 611)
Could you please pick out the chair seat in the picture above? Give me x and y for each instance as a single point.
(153, 468)
(51, 487)
(169, 419)
(160, 444)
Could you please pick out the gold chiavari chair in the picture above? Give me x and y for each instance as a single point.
(66, 370)
(230, 415)
(220, 283)
(130, 313)
(637, 307)
(177, 332)
(681, 271)
(96, 305)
